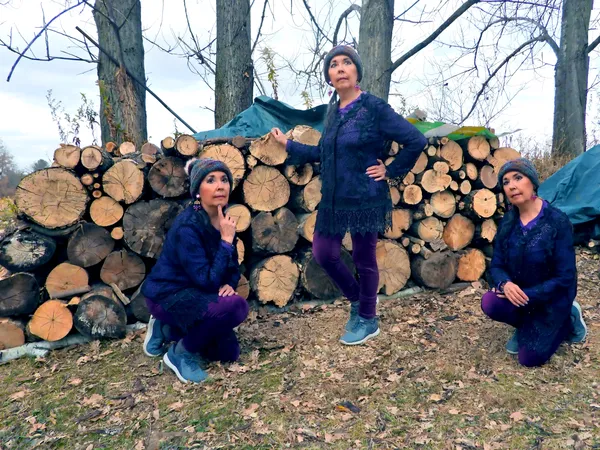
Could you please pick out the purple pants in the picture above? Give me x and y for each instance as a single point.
(327, 250)
(213, 338)
(502, 310)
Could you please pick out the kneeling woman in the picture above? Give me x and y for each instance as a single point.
(191, 289)
(534, 271)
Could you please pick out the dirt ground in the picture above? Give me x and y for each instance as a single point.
(437, 377)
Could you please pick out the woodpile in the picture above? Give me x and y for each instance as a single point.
(92, 226)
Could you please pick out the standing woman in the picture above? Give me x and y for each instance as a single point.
(355, 195)
(191, 289)
(534, 271)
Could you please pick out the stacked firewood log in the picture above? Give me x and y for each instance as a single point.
(92, 226)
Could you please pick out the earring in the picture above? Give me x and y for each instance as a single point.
(357, 87)
(197, 203)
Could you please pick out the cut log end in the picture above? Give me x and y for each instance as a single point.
(394, 266)
(100, 317)
(231, 156)
(438, 271)
(471, 265)
(275, 279)
(52, 321)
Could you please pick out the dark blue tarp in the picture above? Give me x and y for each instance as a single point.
(264, 114)
(575, 190)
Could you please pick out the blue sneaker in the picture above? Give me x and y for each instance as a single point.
(579, 328)
(353, 316)
(354, 307)
(186, 365)
(154, 343)
(512, 346)
(361, 332)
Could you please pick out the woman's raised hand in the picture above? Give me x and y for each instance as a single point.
(378, 172)
(279, 136)
(226, 225)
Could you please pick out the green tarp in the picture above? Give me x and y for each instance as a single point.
(575, 190)
(266, 113)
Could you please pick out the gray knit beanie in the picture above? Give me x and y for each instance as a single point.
(198, 169)
(523, 166)
(342, 50)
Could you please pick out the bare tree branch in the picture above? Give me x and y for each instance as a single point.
(262, 19)
(406, 10)
(500, 66)
(314, 21)
(341, 19)
(537, 23)
(593, 45)
(22, 54)
(417, 48)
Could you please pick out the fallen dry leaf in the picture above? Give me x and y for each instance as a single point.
(75, 381)
(436, 398)
(517, 416)
(94, 400)
(18, 395)
(139, 445)
(177, 406)
(251, 411)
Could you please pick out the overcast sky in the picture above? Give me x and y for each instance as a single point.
(27, 129)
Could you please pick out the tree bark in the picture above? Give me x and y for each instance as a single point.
(123, 102)
(375, 48)
(234, 78)
(571, 79)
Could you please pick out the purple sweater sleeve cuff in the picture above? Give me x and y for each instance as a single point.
(227, 246)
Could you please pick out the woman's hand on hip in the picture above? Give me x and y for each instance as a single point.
(514, 294)
(279, 136)
(226, 291)
(378, 172)
(226, 225)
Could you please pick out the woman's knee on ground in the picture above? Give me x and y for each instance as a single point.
(529, 358)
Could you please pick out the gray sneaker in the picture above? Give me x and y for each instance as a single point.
(512, 346)
(579, 328)
(361, 332)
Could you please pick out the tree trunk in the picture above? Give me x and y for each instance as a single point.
(375, 45)
(234, 78)
(123, 102)
(571, 79)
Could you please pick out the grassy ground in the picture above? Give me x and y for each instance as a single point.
(438, 377)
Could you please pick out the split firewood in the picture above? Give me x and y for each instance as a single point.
(394, 267)
(266, 189)
(275, 279)
(67, 156)
(52, 198)
(232, 158)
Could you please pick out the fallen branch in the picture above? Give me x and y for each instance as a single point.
(42, 348)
